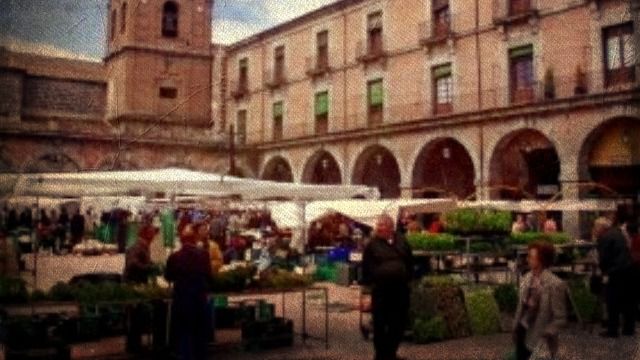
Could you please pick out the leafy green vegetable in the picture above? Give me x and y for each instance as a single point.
(483, 312)
(528, 237)
(429, 330)
(13, 291)
(432, 242)
(585, 303)
(466, 221)
(506, 296)
(281, 279)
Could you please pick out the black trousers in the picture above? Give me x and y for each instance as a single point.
(621, 300)
(522, 351)
(390, 311)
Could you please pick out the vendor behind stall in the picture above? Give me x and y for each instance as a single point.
(203, 239)
(138, 266)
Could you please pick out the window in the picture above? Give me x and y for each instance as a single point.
(241, 127)
(375, 99)
(170, 19)
(519, 7)
(114, 18)
(442, 89)
(374, 31)
(321, 112)
(278, 115)
(168, 92)
(123, 15)
(620, 54)
(521, 74)
(322, 41)
(243, 74)
(441, 18)
(278, 64)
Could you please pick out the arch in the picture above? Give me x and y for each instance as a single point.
(277, 169)
(609, 159)
(170, 15)
(524, 164)
(123, 17)
(52, 162)
(443, 168)
(322, 168)
(377, 167)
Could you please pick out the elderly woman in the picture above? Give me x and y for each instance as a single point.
(542, 306)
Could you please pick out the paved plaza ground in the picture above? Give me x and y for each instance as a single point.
(347, 343)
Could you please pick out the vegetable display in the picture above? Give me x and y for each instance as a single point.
(528, 237)
(584, 302)
(429, 330)
(432, 242)
(470, 221)
(483, 312)
(506, 296)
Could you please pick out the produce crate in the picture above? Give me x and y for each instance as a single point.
(262, 335)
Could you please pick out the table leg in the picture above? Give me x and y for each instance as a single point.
(304, 316)
(326, 318)
(283, 294)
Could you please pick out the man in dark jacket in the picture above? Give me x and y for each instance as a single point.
(138, 266)
(615, 262)
(189, 270)
(76, 228)
(388, 268)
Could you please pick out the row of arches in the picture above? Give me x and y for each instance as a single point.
(524, 164)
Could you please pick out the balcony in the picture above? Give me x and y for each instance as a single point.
(370, 54)
(513, 12)
(239, 89)
(433, 34)
(275, 80)
(317, 67)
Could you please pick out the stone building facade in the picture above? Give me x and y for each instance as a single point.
(502, 99)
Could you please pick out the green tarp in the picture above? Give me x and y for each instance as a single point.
(168, 227)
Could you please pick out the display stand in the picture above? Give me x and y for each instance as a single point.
(303, 306)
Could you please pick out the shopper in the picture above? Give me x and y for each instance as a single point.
(616, 263)
(189, 269)
(541, 311)
(212, 248)
(138, 265)
(520, 225)
(549, 226)
(388, 269)
(77, 228)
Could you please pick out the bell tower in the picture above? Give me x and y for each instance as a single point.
(159, 61)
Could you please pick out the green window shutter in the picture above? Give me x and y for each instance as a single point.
(322, 103)
(278, 109)
(376, 93)
(521, 51)
(441, 71)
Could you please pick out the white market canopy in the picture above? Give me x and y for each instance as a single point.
(171, 181)
(368, 211)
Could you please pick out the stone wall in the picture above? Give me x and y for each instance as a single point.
(10, 92)
(64, 96)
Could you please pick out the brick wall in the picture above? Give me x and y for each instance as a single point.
(10, 92)
(64, 96)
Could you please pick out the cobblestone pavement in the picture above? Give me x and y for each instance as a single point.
(347, 343)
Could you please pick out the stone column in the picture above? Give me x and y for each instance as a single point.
(571, 219)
